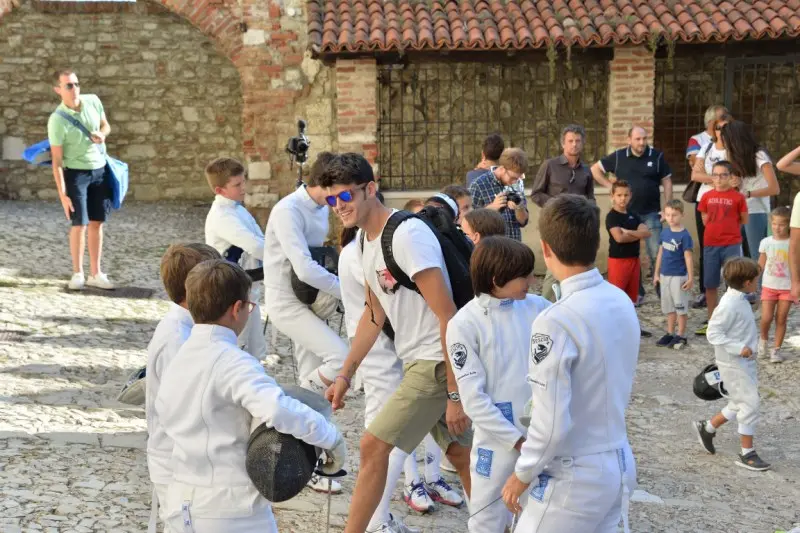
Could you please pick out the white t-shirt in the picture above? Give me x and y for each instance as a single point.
(416, 327)
(795, 221)
(761, 204)
(710, 155)
(776, 271)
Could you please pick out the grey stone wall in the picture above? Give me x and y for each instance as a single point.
(173, 101)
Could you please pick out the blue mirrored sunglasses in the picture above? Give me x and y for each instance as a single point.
(345, 196)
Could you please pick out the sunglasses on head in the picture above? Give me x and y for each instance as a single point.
(70, 86)
(345, 196)
(719, 127)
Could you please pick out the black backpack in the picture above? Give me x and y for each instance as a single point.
(456, 250)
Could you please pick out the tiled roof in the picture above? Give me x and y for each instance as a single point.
(340, 26)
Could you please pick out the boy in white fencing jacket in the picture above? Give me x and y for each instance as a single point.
(298, 221)
(583, 354)
(733, 332)
(211, 395)
(235, 234)
(488, 343)
(170, 334)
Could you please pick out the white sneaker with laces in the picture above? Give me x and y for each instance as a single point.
(76, 282)
(100, 281)
(775, 355)
(395, 525)
(418, 498)
(321, 484)
(443, 493)
(762, 348)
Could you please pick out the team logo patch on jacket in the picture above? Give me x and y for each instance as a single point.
(458, 355)
(541, 345)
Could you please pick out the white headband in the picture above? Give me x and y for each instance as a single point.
(449, 201)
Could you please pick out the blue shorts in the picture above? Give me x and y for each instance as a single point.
(90, 195)
(714, 258)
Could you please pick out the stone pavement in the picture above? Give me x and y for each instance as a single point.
(72, 459)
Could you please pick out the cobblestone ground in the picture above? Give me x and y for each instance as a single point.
(72, 458)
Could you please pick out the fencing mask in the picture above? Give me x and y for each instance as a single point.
(708, 384)
(133, 393)
(280, 465)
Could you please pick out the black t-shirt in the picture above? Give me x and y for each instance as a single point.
(615, 219)
(643, 173)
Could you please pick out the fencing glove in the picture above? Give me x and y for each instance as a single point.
(336, 457)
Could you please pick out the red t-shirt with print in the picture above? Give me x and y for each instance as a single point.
(724, 210)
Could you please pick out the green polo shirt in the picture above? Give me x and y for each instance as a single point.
(79, 151)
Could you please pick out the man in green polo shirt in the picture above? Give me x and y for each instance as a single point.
(79, 171)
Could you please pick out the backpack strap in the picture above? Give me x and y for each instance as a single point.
(387, 248)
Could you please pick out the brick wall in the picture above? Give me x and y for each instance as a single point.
(173, 100)
(630, 93)
(357, 107)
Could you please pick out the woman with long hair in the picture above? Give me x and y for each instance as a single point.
(759, 180)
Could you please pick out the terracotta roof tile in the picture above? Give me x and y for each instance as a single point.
(341, 26)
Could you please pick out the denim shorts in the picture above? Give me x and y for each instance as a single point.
(90, 195)
(714, 258)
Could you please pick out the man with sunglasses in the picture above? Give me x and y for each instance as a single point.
(299, 221)
(79, 171)
(565, 174)
(427, 398)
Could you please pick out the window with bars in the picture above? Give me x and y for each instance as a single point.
(434, 116)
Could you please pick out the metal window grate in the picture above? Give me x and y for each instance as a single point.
(433, 117)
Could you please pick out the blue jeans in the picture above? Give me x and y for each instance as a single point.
(754, 231)
(653, 223)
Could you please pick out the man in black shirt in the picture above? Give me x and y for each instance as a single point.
(645, 170)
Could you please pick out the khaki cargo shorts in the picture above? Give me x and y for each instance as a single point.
(417, 408)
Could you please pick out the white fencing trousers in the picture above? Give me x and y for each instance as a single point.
(490, 466)
(316, 346)
(740, 378)
(588, 493)
(252, 339)
(156, 507)
(183, 521)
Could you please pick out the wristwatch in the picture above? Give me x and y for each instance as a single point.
(454, 396)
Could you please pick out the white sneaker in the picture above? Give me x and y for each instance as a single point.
(443, 493)
(775, 355)
(395, 525)
(100, 281)
(446, 465)
(762, 347)
(76, 282)
(418, 498)
(321, 484)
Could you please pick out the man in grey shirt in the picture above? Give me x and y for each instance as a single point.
(565, 174)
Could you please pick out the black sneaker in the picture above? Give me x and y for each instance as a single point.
(644, 333)
(752, 461)
(679, 342)
(705, 438)
(665, 341)
(699, 302)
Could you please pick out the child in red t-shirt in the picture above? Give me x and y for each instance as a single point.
(724, 211)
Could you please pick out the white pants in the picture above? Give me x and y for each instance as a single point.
(490, 465)
(222, 510)
(586, 494)
(317, 348)
(263, 522)
(740, 379)
(157, 509)
(252, 339)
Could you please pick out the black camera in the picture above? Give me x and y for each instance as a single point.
(298, 145)
(513, 196)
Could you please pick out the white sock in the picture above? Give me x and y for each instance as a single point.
(433, 456)
(710, 428)
(411, 470)
(745, 451)
(381, 514)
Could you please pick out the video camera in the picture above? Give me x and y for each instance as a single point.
(298, 145)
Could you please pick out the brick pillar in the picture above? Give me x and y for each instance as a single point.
(631, 94)
(357, 107)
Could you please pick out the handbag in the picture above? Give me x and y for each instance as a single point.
(116, 171)
(690, 193)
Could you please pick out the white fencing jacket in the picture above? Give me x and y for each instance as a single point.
(170, 334)
(488, 345)
(210, 394)
(732, 327)
(228, 224)
(295, 223)
(583, 355)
